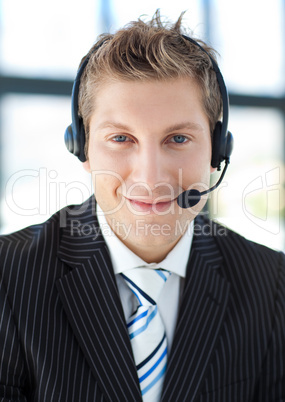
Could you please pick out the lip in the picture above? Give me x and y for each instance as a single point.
(148, 205)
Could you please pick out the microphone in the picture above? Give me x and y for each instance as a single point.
(189, 198)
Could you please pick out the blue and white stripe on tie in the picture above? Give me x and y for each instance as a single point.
(146, 330)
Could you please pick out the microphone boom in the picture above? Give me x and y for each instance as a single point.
(189, 198)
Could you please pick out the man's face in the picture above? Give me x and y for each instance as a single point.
(149, 141)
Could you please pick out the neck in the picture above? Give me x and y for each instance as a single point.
(150, 248)
(150, 254)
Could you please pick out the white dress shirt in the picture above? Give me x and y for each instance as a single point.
(176, 260)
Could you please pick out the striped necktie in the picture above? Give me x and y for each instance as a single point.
(146, 330)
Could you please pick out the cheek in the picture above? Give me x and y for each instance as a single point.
(109, 174)
(106, 185)
(196, 168)
(103, 158)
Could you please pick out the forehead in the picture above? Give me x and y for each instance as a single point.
(115, 81)
(152, 104)
(147, 93)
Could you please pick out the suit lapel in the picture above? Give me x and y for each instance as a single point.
(91, 301)
(201, 314)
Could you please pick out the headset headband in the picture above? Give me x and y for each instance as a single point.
(222, 142)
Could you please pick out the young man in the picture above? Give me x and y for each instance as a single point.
(129, 296)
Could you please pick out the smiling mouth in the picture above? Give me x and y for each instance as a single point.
(150, 205)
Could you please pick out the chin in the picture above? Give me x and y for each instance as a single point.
(152, 242)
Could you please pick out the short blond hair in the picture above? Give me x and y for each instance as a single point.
(152, 50)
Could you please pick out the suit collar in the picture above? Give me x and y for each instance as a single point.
(91, 301)
(80, 235)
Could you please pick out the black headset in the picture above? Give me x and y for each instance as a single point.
(222, 140)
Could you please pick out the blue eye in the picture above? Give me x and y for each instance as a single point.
(179, 139)
(120, 138)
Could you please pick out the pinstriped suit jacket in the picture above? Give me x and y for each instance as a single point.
(62, 331)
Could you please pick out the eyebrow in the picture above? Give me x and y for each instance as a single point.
(181, 126)
(114, 124)
(175, 127)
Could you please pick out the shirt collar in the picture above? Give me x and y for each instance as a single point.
(124, 259)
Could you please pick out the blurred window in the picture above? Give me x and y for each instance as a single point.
(42, 41)
(46, 38)
(250, 37)
(250, 200)
(39, 176)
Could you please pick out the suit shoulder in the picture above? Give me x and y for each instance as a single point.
(254, 271)
(41, 237)
(236, 247)
(28, 240)
(29, 232)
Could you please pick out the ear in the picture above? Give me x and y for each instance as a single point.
(86, 166)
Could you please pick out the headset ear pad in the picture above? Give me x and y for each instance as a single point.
(74, 138)
(229, 145)
(216, 145)
(79, 140)
(68, 139)
(221, 149)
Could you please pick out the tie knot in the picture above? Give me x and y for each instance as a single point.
(146, 283)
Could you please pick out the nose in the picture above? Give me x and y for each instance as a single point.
(151, 166)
